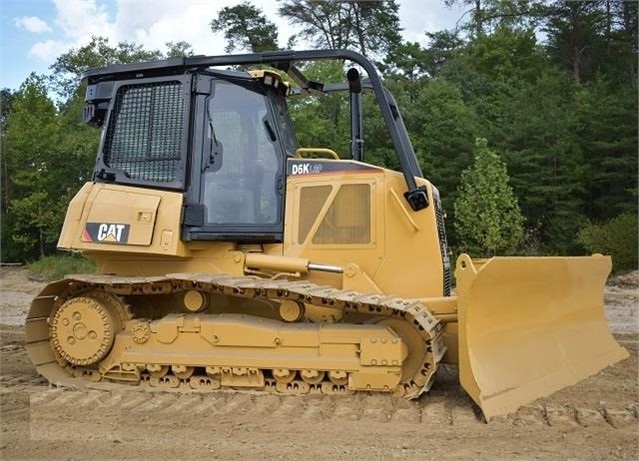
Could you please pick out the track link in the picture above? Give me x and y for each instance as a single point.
(58, 371)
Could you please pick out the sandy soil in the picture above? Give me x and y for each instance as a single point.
(595, 419)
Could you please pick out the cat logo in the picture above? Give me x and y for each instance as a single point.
(106, 233)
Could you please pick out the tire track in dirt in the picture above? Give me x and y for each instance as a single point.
(445, 405)
(363, 408)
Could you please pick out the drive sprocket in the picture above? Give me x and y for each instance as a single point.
(83, 328)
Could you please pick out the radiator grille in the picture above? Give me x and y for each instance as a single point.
(312, 200)
(348, 220)
(145, 132)
(443, 242)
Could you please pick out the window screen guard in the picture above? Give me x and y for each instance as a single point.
(146, 137)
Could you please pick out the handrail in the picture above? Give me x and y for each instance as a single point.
(318, 150)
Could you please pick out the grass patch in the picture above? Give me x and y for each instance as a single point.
(55, 267)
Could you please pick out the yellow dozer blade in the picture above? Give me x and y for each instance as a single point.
(530, 326)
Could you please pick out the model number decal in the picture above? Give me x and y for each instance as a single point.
(297, 167)
(106, 232)
(306, 168)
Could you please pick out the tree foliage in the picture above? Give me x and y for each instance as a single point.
(6, 102)
(98, 52)
(372, 28)
(487, 14)
(47, 152)
(323, 121)
(487, 217)
(34, 168)
(616, 237)
(177, 49)
(551, 83)
(587, 38)
(412, 62)
(245, 28)
(574, 29)
(607, 135)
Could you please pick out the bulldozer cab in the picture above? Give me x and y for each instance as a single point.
(224, 136)
(226, 143)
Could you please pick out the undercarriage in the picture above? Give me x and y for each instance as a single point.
(205, 332)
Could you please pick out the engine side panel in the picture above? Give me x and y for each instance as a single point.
(348, 213)
(109, 218)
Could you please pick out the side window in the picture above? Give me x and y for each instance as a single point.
(286, 126)
(241, 174)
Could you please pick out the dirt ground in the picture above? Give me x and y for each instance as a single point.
(594, 420)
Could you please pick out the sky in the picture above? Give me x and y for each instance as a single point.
(35, 32)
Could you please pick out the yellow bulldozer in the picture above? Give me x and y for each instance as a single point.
(230, 258)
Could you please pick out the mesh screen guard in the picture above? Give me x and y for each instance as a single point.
(144, 138)
(347, 220)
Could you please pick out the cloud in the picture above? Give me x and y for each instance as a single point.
(78, 21)
(148, 23)
(81, 19)
(32, 24)
(188, 21)
(419, 17)
(171, 22)
(49, 50)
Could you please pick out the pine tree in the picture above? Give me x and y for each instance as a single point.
(487, 217)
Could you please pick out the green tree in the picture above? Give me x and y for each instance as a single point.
(245, 28)
(488, 220)
(616, 237)
(35, 169)
(507, 54)
(485, 14)
(9, 252)
(177, 49)
(372, 28)
(412, 62)
(575, 36)
(594, 38)
(406, 62)
(67, 68)
(322, 121)
(6, 101)
(607, 135)
(538, 135)
(624, 38)
(529, 109)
